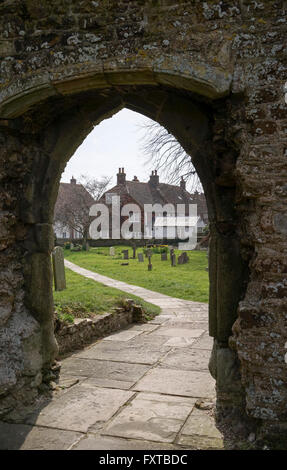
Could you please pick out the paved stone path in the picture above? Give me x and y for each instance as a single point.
(146, 387)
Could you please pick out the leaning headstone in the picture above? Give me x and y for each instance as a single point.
(112, 251)
(126, 254)
(173, 260)
(140, 257)
(164, 256)
(180, 259)
(59, 269)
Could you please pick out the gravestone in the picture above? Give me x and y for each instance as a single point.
(173, 259)
(112, 251)
(126, 254)
(148, 253)
(164, 256)
(140, 257)
(185, 257)
(171, 253)
(149, 263)
(134, 252)
(59, 268)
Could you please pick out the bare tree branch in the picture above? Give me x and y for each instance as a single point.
(166, 154)
(74, 213)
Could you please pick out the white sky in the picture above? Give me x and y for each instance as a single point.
(115, 142)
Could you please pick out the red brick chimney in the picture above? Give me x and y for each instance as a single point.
(154, 178)
(121, 176)
(182, 183)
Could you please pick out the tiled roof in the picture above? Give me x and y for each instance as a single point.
(69, 192)
(162, 193)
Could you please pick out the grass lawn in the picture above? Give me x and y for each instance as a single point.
(85, 298)
(188, 281)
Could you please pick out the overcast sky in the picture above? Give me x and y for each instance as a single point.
(115, 142)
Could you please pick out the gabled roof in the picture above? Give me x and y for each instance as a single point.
(146, 193)
(72, 192)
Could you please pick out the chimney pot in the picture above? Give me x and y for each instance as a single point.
(121, 176)
(154, 178)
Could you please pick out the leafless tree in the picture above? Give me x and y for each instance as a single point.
(95, 187)
(166, 154)
(73, 212)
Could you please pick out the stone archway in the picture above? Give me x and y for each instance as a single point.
(67, 68)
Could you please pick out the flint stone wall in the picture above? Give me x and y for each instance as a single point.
(83, 331)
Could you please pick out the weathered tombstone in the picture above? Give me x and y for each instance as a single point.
(149, 263)
(140, 257)
(126, 254)
(171, 253)
(184, 257)
(173, 259)
(164, 256)
(180, 259)
(112, 251)
(59, 269)
(134, 251)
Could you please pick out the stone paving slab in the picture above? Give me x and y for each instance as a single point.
(145, 327)
(92, 442)
(181, 332)
(179, 342)
(151, 417)
(200, 431)
(205, 342)
(110, 383)
(25, 437)
(159, 320)
(177, 382)
(147, 351)
(124, 335)
(187, 359)
(196, 325)
(120, 371)
(81, 407)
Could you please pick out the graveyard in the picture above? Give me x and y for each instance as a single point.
(85, 298)
(187, 281)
